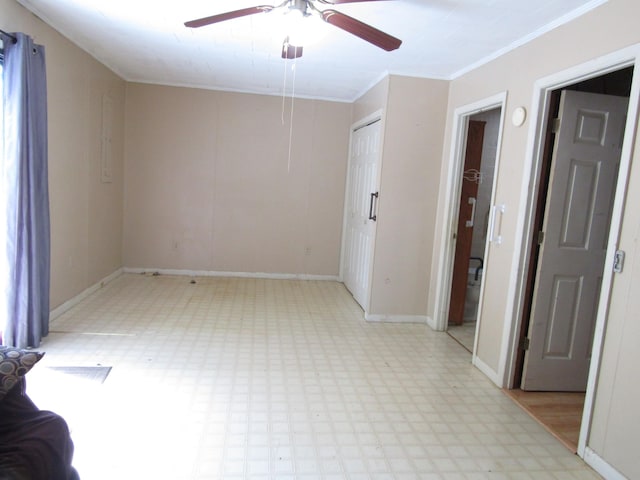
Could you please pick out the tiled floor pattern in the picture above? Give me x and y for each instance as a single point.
(234, 378)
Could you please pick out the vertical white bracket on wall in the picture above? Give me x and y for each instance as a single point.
(496, 222)
(106, 168)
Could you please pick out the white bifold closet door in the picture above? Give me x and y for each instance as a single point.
(360, 211)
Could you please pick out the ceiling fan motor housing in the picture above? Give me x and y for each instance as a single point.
(300, 5)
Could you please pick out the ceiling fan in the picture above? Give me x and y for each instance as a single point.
(306, 8)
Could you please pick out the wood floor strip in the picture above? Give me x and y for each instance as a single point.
(560, 413)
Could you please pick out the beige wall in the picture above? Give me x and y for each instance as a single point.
(411, 159)
(374, 100)
(413, 110)
(86, 215)
(210, 185)
(614, 437)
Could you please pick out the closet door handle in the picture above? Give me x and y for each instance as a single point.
(497, 239)
(371, 215)
(472, 202)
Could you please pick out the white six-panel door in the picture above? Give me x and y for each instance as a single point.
(576, 227)
(362, 181)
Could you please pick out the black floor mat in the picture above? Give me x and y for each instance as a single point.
(95, 374)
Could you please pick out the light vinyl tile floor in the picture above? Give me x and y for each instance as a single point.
(233, 378)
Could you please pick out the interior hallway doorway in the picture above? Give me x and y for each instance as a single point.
(477, 182)
(572, 215)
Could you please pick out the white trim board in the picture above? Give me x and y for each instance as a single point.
(568, 17)
(596, 462)
(72, 302)
(207, 273)
(422, 319)
(486, 369)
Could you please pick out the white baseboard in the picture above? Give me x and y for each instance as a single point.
(206, 273)
(396, 318)
(72, 302)
(596, 462)
(487, 370)
(434, 325)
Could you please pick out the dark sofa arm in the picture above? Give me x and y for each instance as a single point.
(34, 444)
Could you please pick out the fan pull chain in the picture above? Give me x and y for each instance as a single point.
(293, 99)
(284, 89)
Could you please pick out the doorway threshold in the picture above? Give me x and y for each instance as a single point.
(560, 413)
(463, 334)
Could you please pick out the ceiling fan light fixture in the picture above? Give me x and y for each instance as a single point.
(290, 51)
(304, 31)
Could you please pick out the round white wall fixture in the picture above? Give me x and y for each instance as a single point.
(519, 116)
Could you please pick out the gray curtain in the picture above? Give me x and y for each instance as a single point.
(25, 179)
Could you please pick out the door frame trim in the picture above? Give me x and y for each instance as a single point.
(452, 188)
(623, 58)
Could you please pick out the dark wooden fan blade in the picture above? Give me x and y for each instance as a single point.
(201, 22)
(362, 30)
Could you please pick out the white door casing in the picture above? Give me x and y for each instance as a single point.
(576, 227)
(360, 206)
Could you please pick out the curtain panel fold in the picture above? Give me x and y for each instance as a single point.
(25, 184)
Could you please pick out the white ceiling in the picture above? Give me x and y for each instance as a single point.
(146, 41)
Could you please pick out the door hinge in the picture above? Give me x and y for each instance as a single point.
(540, 237)
(555, 125)
(524, 344)
(618, 261)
